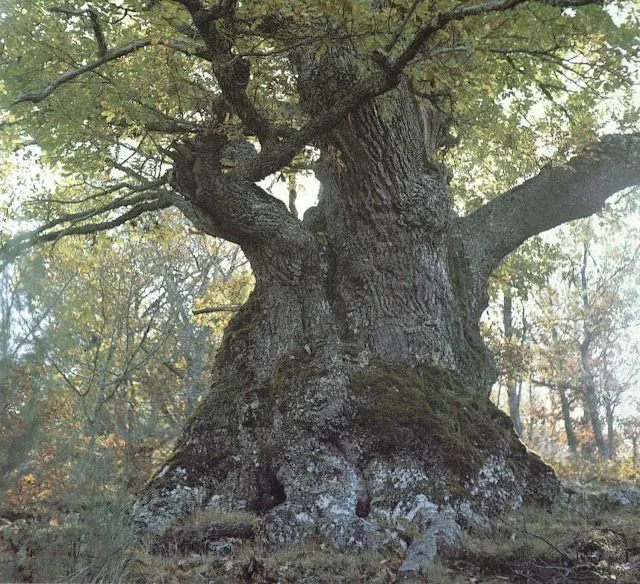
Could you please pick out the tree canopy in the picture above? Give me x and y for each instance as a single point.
(106, 92)
(350, 393)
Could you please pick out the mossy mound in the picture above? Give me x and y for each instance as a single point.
(407, 410)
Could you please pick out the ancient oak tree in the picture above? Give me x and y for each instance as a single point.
(350, 392)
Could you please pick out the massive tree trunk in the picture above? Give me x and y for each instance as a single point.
(351, 391)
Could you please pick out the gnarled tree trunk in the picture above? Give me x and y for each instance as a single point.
(351, 391)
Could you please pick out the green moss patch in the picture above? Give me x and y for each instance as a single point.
(408, 410)
(240, 326)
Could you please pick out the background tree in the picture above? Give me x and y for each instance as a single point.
(362, 331)
(525, 271)
(20, 366)
(594, 291)
(121, 359)
(631, 431)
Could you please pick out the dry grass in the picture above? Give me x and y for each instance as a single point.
(588, 540)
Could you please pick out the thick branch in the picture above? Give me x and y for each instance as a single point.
(282, 153)
(224, 205)
(232, 71)
(556, 195)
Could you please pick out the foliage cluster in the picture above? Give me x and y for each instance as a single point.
(102, 362)
(71, 86)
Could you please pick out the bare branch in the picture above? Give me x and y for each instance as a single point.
(108, 56)
(101, 192)
(210, 309)
(525, 531)
(396, 36)
(460, 12)
(116, 204)
(20, 243)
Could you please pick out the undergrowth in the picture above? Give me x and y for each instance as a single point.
(586, 539)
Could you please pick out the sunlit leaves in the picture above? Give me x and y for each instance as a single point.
(527, 84)
(111, 356)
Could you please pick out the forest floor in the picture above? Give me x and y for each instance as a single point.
(593, 536)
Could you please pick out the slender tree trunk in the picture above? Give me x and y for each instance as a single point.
(572, 440)
(611, 433)
(591, 401)
(514, 406)
(512, 387)
(589, 385)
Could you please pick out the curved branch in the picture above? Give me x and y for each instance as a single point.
(556, 195)
(224, 205)
(127, 49)
(92, 13)
(22, 242)
(108, 56)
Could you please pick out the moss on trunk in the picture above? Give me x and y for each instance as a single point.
(407, 409)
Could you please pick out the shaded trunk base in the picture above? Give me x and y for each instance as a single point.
(355, 451)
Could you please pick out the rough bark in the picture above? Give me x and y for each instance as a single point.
(556, 195)
(351, 390)
(350, 396)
